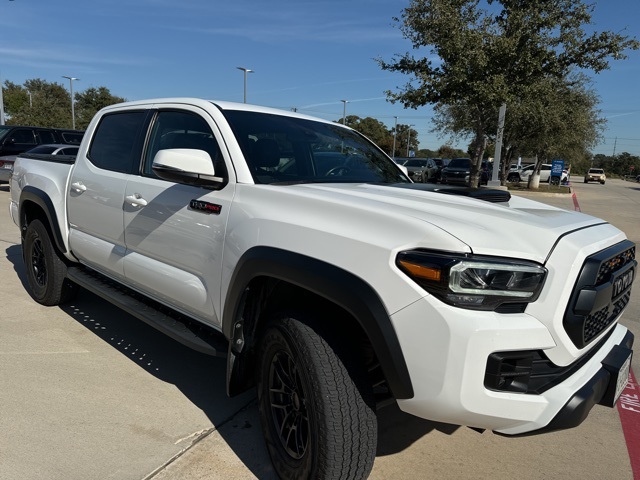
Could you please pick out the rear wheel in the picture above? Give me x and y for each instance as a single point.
(316, 406)
(554, 180)
(46, 271)
(513, 177)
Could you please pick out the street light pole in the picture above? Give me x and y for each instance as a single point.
(409, 138)
(1, 104)
(344, 111)
(73, 112)
(395, 131)
(245, 70)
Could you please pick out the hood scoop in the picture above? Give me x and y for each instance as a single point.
(486, 194)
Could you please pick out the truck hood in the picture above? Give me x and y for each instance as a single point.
(519, 228)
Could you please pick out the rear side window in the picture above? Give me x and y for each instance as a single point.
(72, 138)
(47, 136)
(114, 143)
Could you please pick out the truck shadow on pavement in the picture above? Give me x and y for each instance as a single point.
(201, 378)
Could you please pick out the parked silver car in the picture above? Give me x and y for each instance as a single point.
(6, 162)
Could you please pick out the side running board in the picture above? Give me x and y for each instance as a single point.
(179, 327)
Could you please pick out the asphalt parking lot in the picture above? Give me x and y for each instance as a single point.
(88, 392)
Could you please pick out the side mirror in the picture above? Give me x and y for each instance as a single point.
(186, 165)
(404, 169)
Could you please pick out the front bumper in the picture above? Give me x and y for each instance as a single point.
(447, 362)
(603, 388)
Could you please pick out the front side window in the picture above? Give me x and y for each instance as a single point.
(283, 149)
(180, 129)
(113, 144)
(4, 131)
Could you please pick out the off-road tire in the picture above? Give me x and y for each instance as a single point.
(46, 271)
(316, 405)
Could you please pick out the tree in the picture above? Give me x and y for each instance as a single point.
(555, 119)
(478, 59)
(38, 103)
(447, 151)
(406, 139)
(90, 101)
(45, 104)
(375, 130)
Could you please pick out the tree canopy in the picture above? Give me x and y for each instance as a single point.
(474, 56)
(47, 104)
(377, 132)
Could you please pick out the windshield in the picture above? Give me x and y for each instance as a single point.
(282, 149)
(4, 131)
(416, 163)
(460, 163)
(596, 170)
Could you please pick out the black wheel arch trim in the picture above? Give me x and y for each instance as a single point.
(41, 198)
(334, 284)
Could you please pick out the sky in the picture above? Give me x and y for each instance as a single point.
(305, 54)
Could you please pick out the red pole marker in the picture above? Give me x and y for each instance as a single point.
(629, 409)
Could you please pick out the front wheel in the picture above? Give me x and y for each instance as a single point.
(316, 407)
(46, 271)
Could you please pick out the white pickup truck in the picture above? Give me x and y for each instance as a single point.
(300, 251)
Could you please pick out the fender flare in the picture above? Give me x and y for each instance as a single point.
(40, 198)
(338, 286)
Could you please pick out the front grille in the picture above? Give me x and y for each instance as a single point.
(615, 263)
(595, 303)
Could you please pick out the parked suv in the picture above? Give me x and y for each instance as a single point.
(595, 175)
(422, 169)
(15, 139)
(458, 171)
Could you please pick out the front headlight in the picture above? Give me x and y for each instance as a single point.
(472, 281)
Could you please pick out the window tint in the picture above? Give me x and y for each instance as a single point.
(113, 143)
(43, 149)
(4, 131)
(460, 163)
(47, 136)
(176, 129)
(24, 136)
(283, 149)
(72, 138)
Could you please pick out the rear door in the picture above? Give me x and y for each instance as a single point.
(174, 233)
(97, 188)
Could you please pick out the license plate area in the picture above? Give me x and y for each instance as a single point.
(618, 364)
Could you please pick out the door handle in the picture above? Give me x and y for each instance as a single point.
(79, 187)
(136, 200)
